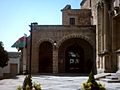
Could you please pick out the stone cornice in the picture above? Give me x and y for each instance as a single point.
(103, 53)
(63, 27)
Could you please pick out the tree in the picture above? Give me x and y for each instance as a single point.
(3, 56)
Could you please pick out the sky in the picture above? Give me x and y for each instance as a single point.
(17, 15)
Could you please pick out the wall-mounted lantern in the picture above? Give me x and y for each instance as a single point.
(55, 43)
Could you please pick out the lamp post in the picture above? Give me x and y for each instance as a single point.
(31, 27)
(31, 33)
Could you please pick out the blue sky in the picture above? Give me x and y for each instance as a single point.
(17, 15)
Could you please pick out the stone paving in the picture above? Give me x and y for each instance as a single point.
(51, 82)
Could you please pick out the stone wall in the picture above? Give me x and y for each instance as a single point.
(58, 33)
(82, 16)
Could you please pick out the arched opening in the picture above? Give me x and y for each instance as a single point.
(76, 55)
(45, 57)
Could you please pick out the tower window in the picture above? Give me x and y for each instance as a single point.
(72, 21)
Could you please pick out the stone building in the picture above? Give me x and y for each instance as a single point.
(66, 48)
(13, 67)
(106, 17)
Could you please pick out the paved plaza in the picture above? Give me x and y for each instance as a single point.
(53, 82)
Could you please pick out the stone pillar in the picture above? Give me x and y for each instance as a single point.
(103, 63)
(106, 26)
(107, 43)
(98, 29)
(100, 34)
(55, 59)
(118, 62)
(24, 61)
(21, 62)
(102, 37)
(102, 28)
(118, 59)
(100, 62)
(114, 43)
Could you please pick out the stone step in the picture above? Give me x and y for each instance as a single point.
(113, 74)
(102, 75)
(110, 80)
(112, 77)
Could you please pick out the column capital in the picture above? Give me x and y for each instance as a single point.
(104, 53)
(100, 4)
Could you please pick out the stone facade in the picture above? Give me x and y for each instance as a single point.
(106, 18)
(82, 16)
(67, 48)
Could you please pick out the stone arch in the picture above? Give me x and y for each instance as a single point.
(86, 50)
(76, 36)
(44, 40)
(45, 57)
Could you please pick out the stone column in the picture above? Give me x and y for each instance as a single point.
(100, 62)
(98, 29)
(24, 61)
(102, 28)
(55, 59)
(114, 43)
(118, 58)
(21, 62)
(103, 63)
(100, 34)
(107, 38)
(102, 37)
(118, 62)
(106, 26)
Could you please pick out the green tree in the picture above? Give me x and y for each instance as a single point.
(3, 56)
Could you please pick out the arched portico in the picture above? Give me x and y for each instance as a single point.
(76, 55)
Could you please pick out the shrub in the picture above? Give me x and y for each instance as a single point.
(27, 84)
(91, 84)
(37, 86)
(19, 87)
(27, 87)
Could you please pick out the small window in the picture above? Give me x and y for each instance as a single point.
(72, 21)
(90, 3)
